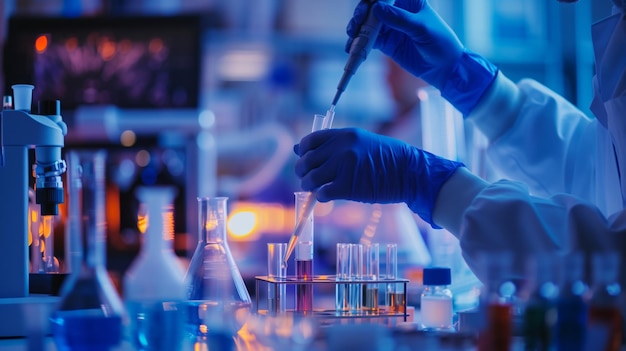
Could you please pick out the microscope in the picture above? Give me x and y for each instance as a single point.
(21, 131)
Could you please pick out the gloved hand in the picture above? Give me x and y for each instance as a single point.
(414, 36)
(354, 164)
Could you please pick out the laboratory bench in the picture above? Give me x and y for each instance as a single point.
(338, 337)
(292, 331)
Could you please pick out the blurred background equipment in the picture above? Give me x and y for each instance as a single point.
(208, 96)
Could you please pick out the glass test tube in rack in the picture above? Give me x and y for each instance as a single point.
(383, 311)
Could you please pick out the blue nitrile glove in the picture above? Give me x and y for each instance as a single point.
(420, 41)
(354, 164)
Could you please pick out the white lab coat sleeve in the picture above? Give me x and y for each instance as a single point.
(504, 216)
(537, 137)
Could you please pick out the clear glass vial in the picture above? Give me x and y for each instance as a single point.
(436, 300)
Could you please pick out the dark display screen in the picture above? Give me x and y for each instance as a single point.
(129, 62)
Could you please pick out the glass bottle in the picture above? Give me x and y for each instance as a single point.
(572, 308)
(496, 307)
(539, 307)
(90, 312)
(154, 283)
(436, 300)
(605, 317)
(218, 300)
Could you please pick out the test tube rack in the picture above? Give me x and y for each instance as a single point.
(330, 314)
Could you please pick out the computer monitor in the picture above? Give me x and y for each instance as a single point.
(128, 62)
(141, 66)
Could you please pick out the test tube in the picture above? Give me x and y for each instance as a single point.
(371, 272)
(304, 256)
(342, 290)
(394, 298)
(309, 199)
(356, 275)
(318, 122)
(276, 293)
(51, 264)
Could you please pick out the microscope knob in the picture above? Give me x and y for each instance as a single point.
(49, 107)
(49, 199)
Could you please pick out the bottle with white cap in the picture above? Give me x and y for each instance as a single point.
(436, 300)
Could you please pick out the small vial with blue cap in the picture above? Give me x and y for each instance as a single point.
(436, 300)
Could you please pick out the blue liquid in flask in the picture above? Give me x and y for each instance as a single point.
(79, 330)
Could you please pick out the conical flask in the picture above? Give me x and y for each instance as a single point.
(153, 284)
(218, 298)
(90, 312)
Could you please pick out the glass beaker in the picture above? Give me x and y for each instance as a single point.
(218, 299)
(90, 312)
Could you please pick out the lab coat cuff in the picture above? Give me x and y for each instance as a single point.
(455, 197)
(497, 109)
(468, 81)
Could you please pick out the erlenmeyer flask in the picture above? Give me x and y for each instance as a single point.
(90, 311)
(219, 302)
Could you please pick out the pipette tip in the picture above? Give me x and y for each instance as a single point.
(336, 98)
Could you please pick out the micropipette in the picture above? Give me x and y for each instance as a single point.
(310, 201)
(360, 47)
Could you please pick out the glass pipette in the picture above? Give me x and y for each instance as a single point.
(310, 201)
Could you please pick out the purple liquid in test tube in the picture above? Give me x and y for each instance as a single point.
(304, 257)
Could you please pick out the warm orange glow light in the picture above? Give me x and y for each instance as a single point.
(41, 43)
(168, 224)
(33, 219)
(142, 219)
(47, 225)
(107, 50)
(128, 138)
(242, 224)
(34, 216)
